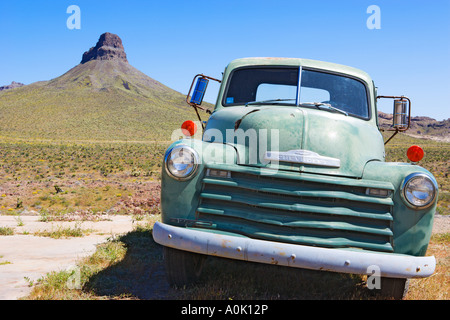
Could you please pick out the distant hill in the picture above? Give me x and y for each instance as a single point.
(13, 85)
(102, 98)
(423, 127)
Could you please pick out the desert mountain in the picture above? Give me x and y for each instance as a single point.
(102, 98)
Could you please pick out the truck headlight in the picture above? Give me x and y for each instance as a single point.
(181, 162)
(419, 190)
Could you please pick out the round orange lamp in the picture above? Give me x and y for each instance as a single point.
(189, 128)
(415, 153)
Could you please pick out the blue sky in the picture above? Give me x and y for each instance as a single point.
(173, 40)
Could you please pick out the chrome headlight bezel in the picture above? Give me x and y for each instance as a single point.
(406, 196)
(173, 151)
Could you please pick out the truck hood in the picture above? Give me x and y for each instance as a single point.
(297, 139)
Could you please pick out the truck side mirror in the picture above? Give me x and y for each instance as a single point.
(199, 91)
(401, 119)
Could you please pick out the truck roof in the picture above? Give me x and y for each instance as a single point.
(316, 64)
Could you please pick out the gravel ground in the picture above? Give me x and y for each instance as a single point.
(441, 224)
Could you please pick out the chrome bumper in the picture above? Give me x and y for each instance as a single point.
(298, 256)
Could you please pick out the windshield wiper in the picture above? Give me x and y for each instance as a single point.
(267, 101)
(320, 104)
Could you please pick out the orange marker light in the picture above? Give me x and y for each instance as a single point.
(415, 153)
(189, 128)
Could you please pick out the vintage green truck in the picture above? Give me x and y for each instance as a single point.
(290, 170)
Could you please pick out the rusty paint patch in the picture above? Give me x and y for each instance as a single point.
(225, 243)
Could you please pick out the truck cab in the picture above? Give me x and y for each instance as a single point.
(290, 169)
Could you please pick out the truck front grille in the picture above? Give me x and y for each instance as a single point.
(297, 208)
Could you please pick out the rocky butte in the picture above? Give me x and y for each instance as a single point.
(108, 47)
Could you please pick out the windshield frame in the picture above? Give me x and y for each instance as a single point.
(297, 102)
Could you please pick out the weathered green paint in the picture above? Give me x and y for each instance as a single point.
(352, 140)
(219, 204)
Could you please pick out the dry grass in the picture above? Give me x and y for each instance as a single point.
(64, 232)
(437, 286)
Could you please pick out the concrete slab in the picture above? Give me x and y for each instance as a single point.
(26, 255)
(33, 224)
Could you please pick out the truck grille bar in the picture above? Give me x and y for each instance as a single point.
(299, 208)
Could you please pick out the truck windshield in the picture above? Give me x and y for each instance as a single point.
(279, 86)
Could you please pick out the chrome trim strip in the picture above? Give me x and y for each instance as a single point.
(302, 157)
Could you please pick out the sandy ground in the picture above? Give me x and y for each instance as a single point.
(445, 138)
(24, 258)
(441, 224)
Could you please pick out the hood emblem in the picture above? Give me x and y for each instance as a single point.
(303, 157)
